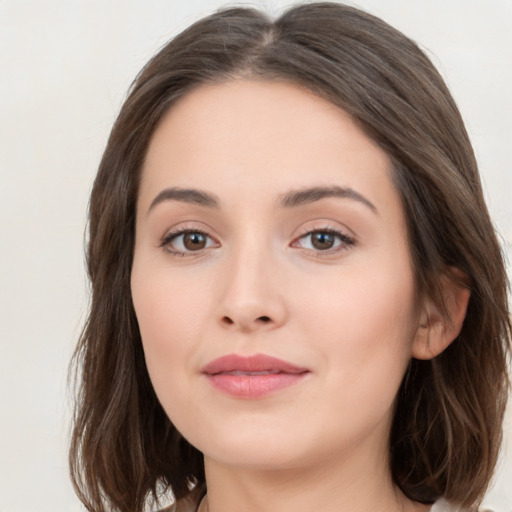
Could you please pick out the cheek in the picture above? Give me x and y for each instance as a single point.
(363, 334)
(169, 305)
(365, 324)
(166, 331)
(359, 298)
(168, 313)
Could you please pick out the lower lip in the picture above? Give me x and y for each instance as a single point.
(254, 386)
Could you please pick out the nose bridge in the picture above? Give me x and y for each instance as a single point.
(251, 297)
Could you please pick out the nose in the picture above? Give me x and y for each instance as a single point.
(252, 298)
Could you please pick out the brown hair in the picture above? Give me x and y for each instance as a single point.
(447, 426)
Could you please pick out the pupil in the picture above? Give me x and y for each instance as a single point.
(194, 241)
(323, 240)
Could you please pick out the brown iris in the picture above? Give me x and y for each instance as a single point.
(194, 241)
(322, 240)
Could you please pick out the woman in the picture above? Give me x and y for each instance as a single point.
(298, 299)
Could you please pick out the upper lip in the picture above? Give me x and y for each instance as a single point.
(254, 363)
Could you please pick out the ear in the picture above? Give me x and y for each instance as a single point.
(437, 330)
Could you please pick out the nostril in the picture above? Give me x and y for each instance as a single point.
(226, 320)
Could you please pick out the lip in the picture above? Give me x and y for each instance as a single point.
(254, 376)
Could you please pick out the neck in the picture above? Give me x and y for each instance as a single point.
(330, 486)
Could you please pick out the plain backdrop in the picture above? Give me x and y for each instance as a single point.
(65, 67)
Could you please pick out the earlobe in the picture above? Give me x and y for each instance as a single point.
(438, 328)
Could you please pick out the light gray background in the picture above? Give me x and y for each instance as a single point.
(65, 67)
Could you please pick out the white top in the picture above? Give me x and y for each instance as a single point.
(439, 506)
(444, 506)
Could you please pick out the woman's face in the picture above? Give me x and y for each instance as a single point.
(268, 224)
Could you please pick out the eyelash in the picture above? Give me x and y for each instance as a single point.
(169, 237)
(346, 241)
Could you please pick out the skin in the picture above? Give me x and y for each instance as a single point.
(259, 284)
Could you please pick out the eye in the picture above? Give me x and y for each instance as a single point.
(324, 240)
(185, 241)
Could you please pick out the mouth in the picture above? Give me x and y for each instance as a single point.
(240, 372)
(252, 377)
(256, 364)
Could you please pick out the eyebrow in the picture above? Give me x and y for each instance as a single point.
(186, 195)
(310, 195)
(291, 199)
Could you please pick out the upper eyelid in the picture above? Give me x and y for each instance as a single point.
(328, 229)
(317, 224)
(326, 225)
(172, 234)
(303, 232)
(188, 227)
(344, 237)
(306, 226)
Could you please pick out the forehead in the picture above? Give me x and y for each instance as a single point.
(259, 136)
(249, 114)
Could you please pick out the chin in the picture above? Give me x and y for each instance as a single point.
(250, 449)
